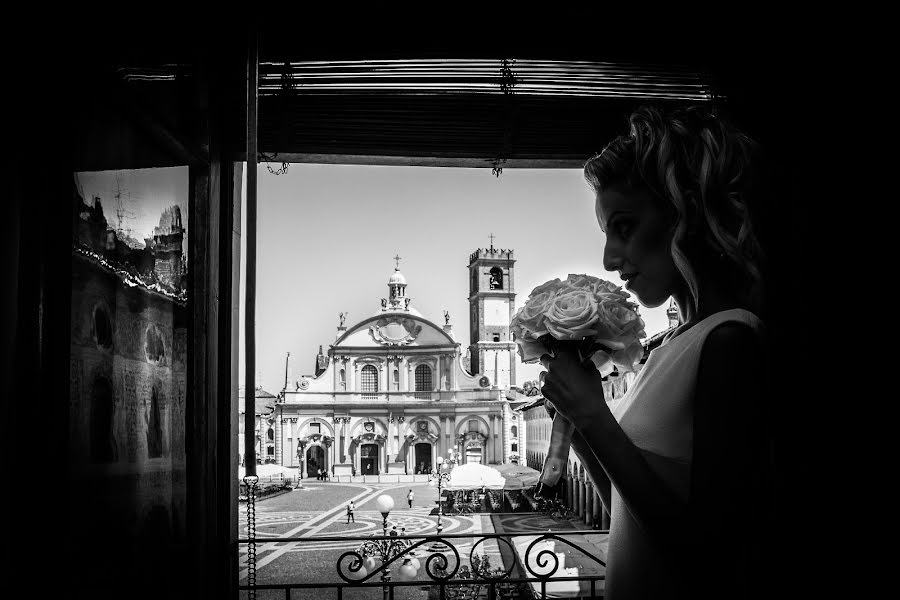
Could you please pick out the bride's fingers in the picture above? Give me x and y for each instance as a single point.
(545, 360)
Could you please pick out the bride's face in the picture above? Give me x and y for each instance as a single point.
(638, 237)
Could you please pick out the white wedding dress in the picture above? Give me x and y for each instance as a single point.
(657, 415)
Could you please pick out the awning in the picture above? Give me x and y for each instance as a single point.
(523, 476)
(472, 476)
(263, 471)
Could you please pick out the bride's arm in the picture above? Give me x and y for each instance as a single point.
(728, 374)
(588, 460)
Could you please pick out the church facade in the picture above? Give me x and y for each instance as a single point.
(395, 391)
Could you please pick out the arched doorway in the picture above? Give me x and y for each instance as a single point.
(368, 459)
(422, 456)
(473, 445)
(315, 460)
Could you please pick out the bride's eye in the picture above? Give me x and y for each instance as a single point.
(625, 229)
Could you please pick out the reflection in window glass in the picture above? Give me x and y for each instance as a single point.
(128, 351)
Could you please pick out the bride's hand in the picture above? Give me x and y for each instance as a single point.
(575, 387)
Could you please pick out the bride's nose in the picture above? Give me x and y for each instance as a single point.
(612, 257)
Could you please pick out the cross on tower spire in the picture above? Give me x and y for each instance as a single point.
(397, 258)
(492, 241)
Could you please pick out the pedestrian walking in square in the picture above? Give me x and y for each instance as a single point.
(409, 498)
(350, 516)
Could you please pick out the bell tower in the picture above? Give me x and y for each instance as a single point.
(672, 313)
(492, 303)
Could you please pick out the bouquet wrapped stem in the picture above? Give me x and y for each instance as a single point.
(557, 455)
(596, 318)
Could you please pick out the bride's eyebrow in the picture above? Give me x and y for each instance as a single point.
(616, 214)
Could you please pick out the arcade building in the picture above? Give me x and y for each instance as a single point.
(396, 390)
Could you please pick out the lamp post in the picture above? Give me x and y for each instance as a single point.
(388, 549)
(437, 477)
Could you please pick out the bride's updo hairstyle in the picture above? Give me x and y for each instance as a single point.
(703, 171)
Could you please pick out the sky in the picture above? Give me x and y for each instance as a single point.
(134, 199)
(327, 235)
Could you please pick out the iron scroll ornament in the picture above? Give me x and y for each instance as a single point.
(435, 565)
(545, 555)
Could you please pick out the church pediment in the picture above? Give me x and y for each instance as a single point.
(394, 330)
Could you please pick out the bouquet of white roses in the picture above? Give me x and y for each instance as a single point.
(595, 316)
(584, 309)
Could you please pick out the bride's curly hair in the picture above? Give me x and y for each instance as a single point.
(708, 174)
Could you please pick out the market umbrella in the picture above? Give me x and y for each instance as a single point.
(264, 471)
(517, 477)
(472, 476)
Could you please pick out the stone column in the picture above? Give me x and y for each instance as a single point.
(346, 446)
(584, 500)
(589, 505)
(403, 367)
(332, 449)
(570, 489)
(336, 386)
(355, 372)
(410, 382)
(279, 440)
(496, 438)
(579, 498)
(453, 361)
(383, 378)
(387, 446)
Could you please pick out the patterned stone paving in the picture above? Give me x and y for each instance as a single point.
(320, 511)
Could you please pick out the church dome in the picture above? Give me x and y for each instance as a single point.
(397, 278)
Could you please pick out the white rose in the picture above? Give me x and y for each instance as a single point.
(582, 281)
(554, 285)
(527, 329)
(572, 315)
(627, 357)
(529, 351)
(535, 308)
(617, 324)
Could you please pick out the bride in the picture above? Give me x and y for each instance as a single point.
(681, 463)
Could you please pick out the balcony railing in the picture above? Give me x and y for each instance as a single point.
(453, 566)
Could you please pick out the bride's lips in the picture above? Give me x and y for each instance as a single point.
(629, 280)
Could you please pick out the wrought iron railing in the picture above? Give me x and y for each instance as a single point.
(527, 573)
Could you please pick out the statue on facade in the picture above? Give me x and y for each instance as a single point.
(531, 388)
(406, 300)
(384, 303)
(342, 316)
(446, 317)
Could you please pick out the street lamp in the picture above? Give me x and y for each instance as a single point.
(437, 477)
(388, 549)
